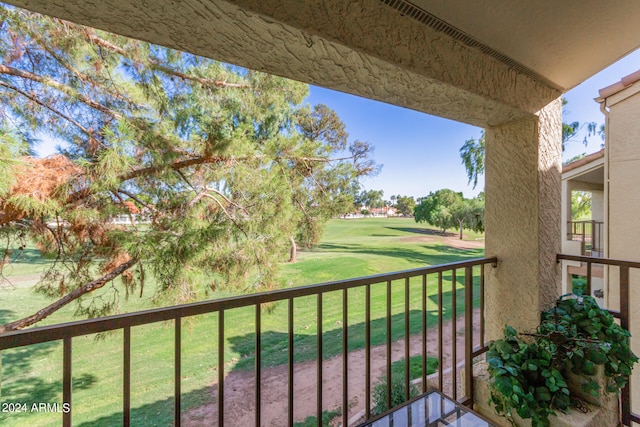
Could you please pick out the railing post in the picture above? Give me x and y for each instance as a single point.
(66, 381)
(177, 372)
(624, 322)
(221, 368)
(388, 371)
(126, 380)
(589, 271)
(482, 305)
(367, 352)
(468, 332)
(454, 334)
(345, 357)
(440, 331)
(407, 340)
(290, 361)
(319, 345)
(424, 333)
(258, 389)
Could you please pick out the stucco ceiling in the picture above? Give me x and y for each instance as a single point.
(530, 52)
(565, 41)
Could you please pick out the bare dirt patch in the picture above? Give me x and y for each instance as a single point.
(239, 399)
(15, 280)
(463, 244)
(449, 239)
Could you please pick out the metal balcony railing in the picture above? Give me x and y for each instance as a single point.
(619, 306)
(589, 233)
(458, 285)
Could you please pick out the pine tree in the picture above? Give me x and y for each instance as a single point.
(217, 168)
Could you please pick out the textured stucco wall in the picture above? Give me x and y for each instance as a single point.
(522, 219)
(360, 47)
(623, 158)
(597, 205)
(624, 175)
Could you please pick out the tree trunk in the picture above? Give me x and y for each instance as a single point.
(460, 222)
(71, 296)
(293, 254)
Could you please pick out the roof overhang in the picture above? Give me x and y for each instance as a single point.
(589, 169)
(564, 41)
(514, 58)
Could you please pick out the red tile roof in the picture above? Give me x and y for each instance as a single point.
(583, 161)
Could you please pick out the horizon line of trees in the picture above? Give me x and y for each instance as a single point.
(374, 199)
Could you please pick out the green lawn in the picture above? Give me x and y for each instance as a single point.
(350, 248)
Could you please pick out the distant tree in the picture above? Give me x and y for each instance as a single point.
(472, 151)
(472, 154)
(405, 205)
(372, 198)
(469, 213)
(448, 209)
(324, 192)
(580, 204)
(435, 209)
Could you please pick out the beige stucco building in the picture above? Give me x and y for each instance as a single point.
(612, 176)
(497, 64)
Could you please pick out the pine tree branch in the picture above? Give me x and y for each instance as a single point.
(180, 164)
(5, 69)
(48, 107)
(194, 161)
(80, 75)
(92, 37)
(134, 197)
(70, 297)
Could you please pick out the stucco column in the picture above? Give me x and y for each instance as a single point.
(522, 219)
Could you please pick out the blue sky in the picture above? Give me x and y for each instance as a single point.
(420, 153)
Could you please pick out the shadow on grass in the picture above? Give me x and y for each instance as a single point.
(19, 384)
(443, 253)
(274, 344)
(426, 231)
(158, 413)
(29, 256)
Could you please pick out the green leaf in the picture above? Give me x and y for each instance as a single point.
(495, 362)
(543, 394)
(511, 370)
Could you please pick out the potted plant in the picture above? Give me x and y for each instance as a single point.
(529, 372)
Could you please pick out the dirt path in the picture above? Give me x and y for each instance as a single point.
(239, 398)
(449, 239)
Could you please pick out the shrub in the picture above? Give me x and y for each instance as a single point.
(397, 392)
(327, 416)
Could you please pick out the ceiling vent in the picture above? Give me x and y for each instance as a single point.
(409, 9)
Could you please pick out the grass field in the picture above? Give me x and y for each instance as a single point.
(350, 248)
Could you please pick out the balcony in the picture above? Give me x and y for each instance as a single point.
(586, 239)
(360, 328)
(590, 236)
